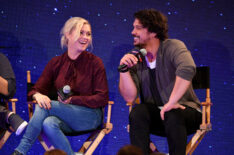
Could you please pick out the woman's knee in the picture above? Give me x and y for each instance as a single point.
(38, 109)
(50, 123)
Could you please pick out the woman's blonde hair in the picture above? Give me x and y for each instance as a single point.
(73, 24)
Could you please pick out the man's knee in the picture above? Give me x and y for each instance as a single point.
(174, 121)
(138, 112)
(173, 115)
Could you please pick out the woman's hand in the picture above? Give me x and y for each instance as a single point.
(67, 101)
(42, 100)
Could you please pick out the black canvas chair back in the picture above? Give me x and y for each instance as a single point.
(201, 80)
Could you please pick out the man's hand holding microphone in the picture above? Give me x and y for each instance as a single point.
(131, 59)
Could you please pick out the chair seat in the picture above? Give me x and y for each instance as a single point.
(77, 133)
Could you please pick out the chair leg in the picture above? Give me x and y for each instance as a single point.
(95, 143)
(45, 145)
(4, 138)
(196, 139)
(153, 147)
(88, 141)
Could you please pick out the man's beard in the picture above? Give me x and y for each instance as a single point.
(140, 46)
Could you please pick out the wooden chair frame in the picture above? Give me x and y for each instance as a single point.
(200, 133)
(91, 142)
(8, 133)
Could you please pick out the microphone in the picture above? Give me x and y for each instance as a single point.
(65, 92)
(140, 53)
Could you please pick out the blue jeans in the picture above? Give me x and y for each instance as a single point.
(60, 118)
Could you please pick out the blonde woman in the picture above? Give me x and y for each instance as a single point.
(85, 74)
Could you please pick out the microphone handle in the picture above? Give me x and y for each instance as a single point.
(122, 68)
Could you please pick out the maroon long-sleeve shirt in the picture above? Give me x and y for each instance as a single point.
(86, 76)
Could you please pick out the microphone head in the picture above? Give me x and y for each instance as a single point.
(143, 51)
(66, 89)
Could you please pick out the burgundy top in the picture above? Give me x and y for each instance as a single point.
(86, 76)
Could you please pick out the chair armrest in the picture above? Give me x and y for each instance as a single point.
(110, 103)
(109, 125)
(130, 104)
(30, 108)
(108, 128)
(206, 124)
(13, 102)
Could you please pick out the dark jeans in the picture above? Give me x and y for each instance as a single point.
(145, 119)
(3, 116)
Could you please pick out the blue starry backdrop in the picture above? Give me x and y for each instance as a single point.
(29, 36)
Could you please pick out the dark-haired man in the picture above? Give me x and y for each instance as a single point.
(7, 90)
(169, 105)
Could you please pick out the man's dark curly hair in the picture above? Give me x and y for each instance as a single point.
(154, 21)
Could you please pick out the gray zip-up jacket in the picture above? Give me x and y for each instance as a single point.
(173, 59)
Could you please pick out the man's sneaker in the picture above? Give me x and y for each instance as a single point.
(17, 123)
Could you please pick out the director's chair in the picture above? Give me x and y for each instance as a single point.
(201, 80)
(91, 142)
